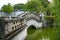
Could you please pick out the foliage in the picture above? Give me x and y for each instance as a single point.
(57, 13)
(19, 6)
(44, 2)
(50, 20)
(46, 8)
(55, 10)
(47, 33)
(7, 8)
(34, 6)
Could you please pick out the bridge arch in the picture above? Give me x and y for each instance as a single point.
(35, 23)
(30, 28)
(31, 19)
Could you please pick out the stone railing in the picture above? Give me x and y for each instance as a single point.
(7, 25)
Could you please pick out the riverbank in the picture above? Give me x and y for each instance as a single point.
(40, 34)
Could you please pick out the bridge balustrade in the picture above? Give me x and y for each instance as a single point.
(12, 24)
(32, 17)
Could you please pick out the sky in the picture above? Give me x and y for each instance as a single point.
(49, 0)
(2, 2)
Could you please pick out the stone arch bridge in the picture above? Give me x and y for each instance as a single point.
(32, 19)
(12, 25)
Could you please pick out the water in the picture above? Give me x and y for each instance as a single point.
(32, 34)
(36, 34)
(16, 13)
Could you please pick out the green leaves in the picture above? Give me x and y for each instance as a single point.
(56, 11)
(19, 6)
(33, 6)
(7, 8)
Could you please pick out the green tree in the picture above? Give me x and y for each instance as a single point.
(34, 6)
(56, 11)
(7, 8)
(19, 6)
(44, 2)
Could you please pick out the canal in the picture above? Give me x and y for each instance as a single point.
(36, 34)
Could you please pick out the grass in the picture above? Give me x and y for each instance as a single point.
(43, 33)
